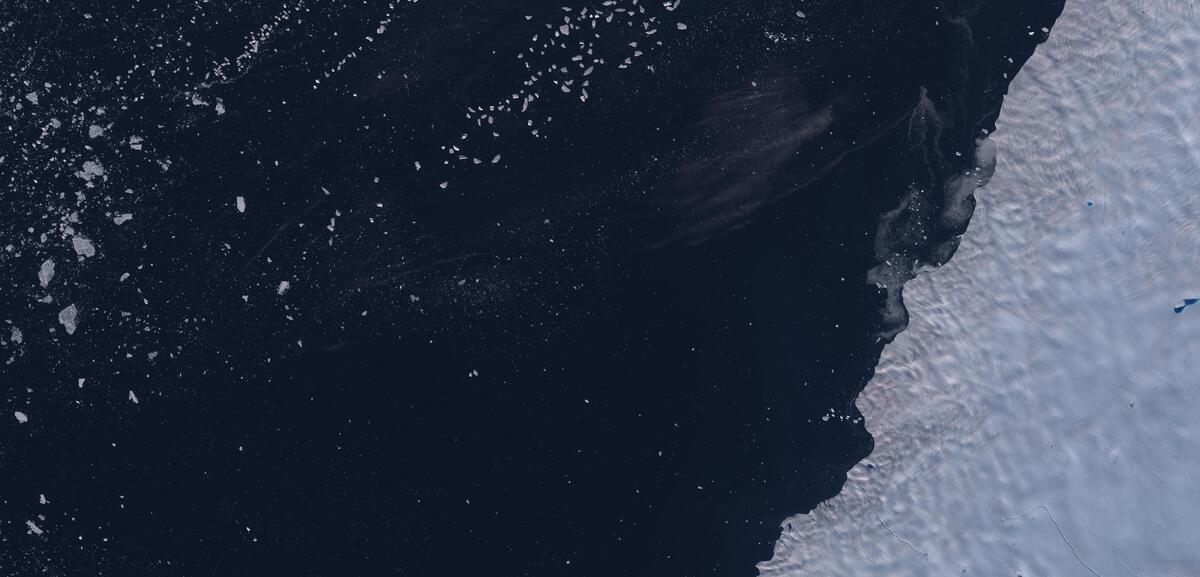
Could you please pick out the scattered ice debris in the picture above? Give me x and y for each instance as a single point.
(560, 60)
(21, 417)
(283, 287)
(133, 397)
(122, 218)
(473, 373)
(67, 317)
(33, 528)
(241, 204)
(46, 272)
(83, 246)
(1185, 303)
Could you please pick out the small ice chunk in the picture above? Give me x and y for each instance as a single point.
(91, 169)
(68, 318)
(495, 159)
(83, 246)
(444, 184)
(220, 107)
(681, 26)
(122, 218)
(283, 287)
(800, 14)
(135, 142)
(46, 273)
(241, 204)
(33, 528)
(32, 97)
(21, 417)
(133, 397)
(42, 499)
(95, 131)
(16, 337)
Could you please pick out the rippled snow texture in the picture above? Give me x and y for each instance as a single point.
(1039, 416)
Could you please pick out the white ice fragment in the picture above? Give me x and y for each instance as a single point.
(46, 272)
(122, 218)
(68, 317)
(16, 337)
(33, 527)
(681, 26)
(32, 97)
(283, 287)
(83, 246)
(220, 107)
(800, 14)
(95, 131)
(241, 204)
(495, 159)
(21, 417)
(444, 184)
(42, 499)
(133, 397)
(135, 142)
(91, 169)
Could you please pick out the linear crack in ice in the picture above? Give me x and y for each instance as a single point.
(1060, 534)
(901, 539)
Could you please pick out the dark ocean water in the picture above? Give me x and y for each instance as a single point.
(628, 346)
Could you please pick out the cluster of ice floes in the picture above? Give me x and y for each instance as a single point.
(83, 173)
(561, 58)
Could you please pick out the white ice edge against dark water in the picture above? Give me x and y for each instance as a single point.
(1037, 417)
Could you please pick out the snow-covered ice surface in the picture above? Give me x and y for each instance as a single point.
(1038, 416)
